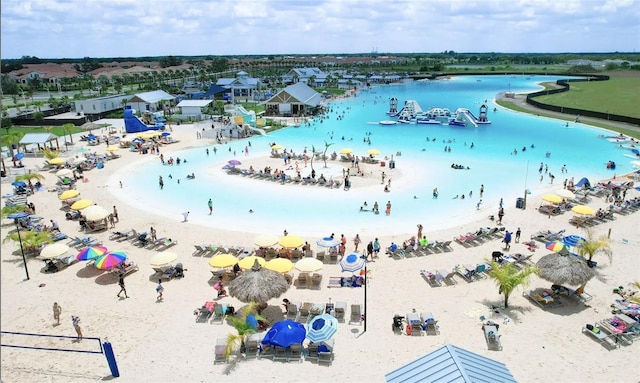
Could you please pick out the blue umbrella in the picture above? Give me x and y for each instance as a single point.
(352, 262)
(573, 240)
(164, 134)
(328, 242)
(19, 184)
(18, 215)
(252, 321)
(285, 333)
(137, 140)
(322, 328)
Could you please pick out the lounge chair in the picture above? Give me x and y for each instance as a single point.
(221, 351)
(164, 274)
(53, 266)
(543, 298)
(167, 244)
(415, 323)
(604, 338)
(219, 313)
(492, 336)
(340, 309)
(120, 235)
(312, 351)
(252, 346)
(467, 272)
(127, 267)
(447, 277)
(481, 270)
(303, 281)
(333, 257)
(316, 309)
(431, 278)
(281, 353)
(204, 313)
(292, 311)
(429, 324)
(295, 352)
(316, 280)
(325, 357)
(356, 314)
(321, 256)
(305, 311)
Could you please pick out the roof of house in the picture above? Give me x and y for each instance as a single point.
(37, 138)
(308, 72)
(198, 103)
(452, 364)
(152, 97)
(299, 93)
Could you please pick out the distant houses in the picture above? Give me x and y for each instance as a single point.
(298, 99)
(242, 87)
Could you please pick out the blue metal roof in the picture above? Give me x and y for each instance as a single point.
(452, 364)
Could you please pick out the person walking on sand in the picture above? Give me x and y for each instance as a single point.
(420, 231)
(357, 241)
(210, 204)
(57, 310)
(518, 232)
(388, 210)
(159, 290)
(507, 240)
(370, 250)
(122, 287)
(500, 215)
(376, 247)
(185, 215)
(76, 325)
(115, 215)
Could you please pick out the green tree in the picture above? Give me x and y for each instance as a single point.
(508, 277)
(592, 246)
(49, 153)
(237, 342)
(10, 140)
(324, 154)
(7, 210)
(31, 241)
(68, 129)
(38, 117)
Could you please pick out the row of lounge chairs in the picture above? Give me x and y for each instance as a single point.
(143, 240)
(423, 324)
(211, 312)
(469, 273)
(615, 331)
(321, 353)
(585, 221)
(309, 281)
(287, 178)
(551, 298)
(304, 312)
(419, 251)
(479, 237)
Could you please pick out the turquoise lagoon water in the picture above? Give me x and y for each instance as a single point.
(314, 211)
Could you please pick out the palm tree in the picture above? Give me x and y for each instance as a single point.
(10, 139)
(31, 240)
(28, 177)
(324, 155)
(587, 249)
(237, 341)
(67, 129)
(49, 153)
(508, 277)
(7, 210)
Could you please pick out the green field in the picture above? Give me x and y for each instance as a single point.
(619, 95)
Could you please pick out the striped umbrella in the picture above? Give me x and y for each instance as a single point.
(556, 246)
(352, 262)
(110, 260)
(322, 328)
(573, 240)
(91, 252)
(328, 242)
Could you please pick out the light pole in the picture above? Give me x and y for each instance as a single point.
(526, 176)
(16, 217)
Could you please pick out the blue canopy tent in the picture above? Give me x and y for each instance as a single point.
(451, 364)
(583, 182)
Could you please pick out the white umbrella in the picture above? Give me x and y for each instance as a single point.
(95, 213)
(266, 240)
(308, 265)
(163, 259)
(64, 172)
(53, 250)
(564, 193)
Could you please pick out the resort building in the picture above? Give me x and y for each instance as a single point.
(310, 76)
(295, 100)
(193, 108)
(100, 106)
(150, 101)
(242, 87)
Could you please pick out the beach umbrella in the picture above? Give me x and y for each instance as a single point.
(582, 182)
(552, 198)
(95, 213)
(163, 259)
(91, 252)
(57, 161)
(308, 265)
(373, 152)
(565, 193)
(234, 162)
(18, 215)
(77, 160)
(112, 149)
(556, 247)
(352, 262)
(258, 284)
(291, 241)
(89, 126)
(277, 147)
(82, 150)
(53, 250)
(64, 172)
(266, 240)
(281, 265)
(285, 333)
(322, 328)
(165, 134)
(68, 194)
(564, 269)
(247, 262)
(573, 240)
(81, 204)
(583, 210)
(222, 261)
(346, 151)
(328, 242)
(110, 260)
(19, 184)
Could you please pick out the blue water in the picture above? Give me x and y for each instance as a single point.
(316, 211)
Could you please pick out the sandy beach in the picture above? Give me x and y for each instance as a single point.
(160, 341)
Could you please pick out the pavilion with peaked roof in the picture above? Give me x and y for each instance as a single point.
(295, 100)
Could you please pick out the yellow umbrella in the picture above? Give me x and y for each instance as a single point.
(291, 241)
(346, 151)
(81, 204)
(112, 148)
(277, 147)
(373, 152)
(553, 198)
(53, 250)
(68, 195)
(248, 262)
(223, 260)
(281, 265)
(266, 240)
(57, 161)
(308, 265)
(583, 210)
(163, 259)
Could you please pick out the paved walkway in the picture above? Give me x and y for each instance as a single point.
(520, 101)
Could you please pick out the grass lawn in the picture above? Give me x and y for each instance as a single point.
(620, 95)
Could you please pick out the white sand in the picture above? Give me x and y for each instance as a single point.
(160, 342)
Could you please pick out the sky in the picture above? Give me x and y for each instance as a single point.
(134, 28)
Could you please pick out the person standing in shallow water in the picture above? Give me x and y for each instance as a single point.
(210, 204)
(388, 210)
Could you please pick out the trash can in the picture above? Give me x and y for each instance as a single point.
(392, 164)
(382, 164)
(520, 203)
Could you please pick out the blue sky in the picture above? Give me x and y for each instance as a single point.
(122, 28)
